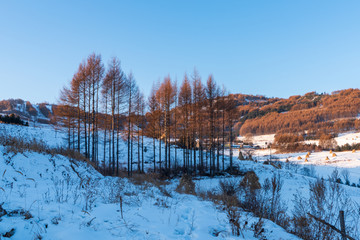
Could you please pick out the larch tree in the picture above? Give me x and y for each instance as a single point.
(185, 100)
(95, 72)
(166, 97)
(131, 90)
(232, 116)
(152, 127)
(198, 103)
(113, 90)
(211, 91)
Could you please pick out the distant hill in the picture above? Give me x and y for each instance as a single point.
(313, 112)
(27, 111)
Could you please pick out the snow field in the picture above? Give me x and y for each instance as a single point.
(70, 200)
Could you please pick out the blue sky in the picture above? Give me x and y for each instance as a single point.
(272, 48)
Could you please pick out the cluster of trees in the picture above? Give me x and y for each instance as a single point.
(13, 119)
(199, 118)
(289, 142)
(327, 142)
(103, 107)
(348, 147)
(98, 109)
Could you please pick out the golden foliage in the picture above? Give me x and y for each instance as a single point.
(313, 112)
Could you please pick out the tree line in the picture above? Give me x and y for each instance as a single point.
(12, 119)
(190, 123)
(198, 119)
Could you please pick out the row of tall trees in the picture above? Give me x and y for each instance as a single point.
(190, 125)
(197, 118)
(101, 108)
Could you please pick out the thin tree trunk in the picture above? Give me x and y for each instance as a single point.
(138, 145)
(223, 139)
(142, 151)
(129, 136)
(154, 147)
(231, 149)
(105, 128)
(159, 147)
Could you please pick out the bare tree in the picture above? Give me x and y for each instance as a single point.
(113, 89)
(185, 100)
(152, 129)
(132, 90)
(211, 95)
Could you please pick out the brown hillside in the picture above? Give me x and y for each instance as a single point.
(327, 113)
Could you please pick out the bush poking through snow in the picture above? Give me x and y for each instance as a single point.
(9, 234)
(90, 192)
(233, 215)
(20, 212)
(277, 211)
(250, 181)
(3, 212)
(55, 220)
(265, 202)
(250, 192)
(258, 228)
(186, 185)
(229, 187)
(346, 175)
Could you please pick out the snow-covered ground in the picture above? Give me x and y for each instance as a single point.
(260, 140)
(65, 205)
(44, 132)
(342, 139)
(324, 163)
(71, 200)
(264, 140)
(52, 197)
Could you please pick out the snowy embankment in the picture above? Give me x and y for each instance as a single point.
(52, 197)
(72, 201)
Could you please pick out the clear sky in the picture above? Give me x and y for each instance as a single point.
(272, 48)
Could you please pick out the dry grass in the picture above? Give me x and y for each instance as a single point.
(18, 145)
(186, 185)
(154, 179)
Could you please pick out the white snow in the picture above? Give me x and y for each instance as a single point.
(70, 200)
(260, 140)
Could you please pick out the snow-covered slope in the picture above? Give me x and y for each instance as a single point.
(53, 197)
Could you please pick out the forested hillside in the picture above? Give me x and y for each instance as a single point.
(316, 113)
